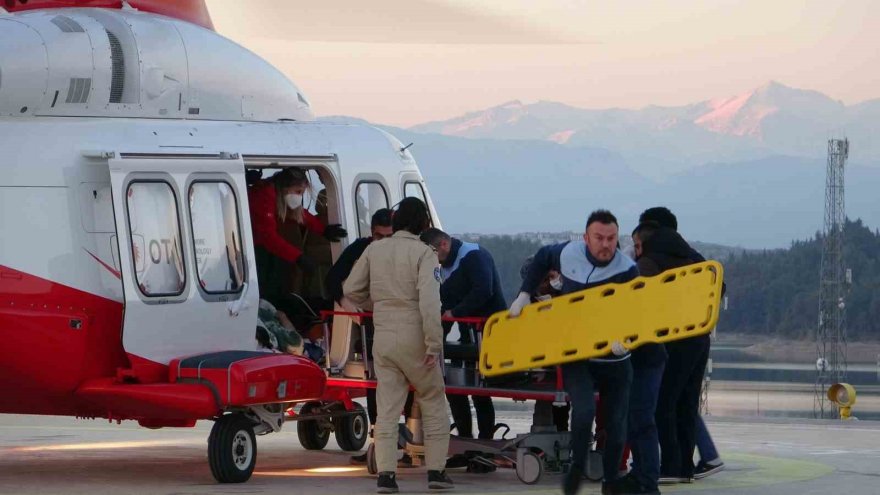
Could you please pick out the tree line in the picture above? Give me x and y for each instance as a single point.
(771, 292)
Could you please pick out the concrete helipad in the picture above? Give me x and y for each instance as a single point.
(63, 455)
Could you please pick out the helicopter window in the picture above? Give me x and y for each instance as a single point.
(415, 189)
(216, 239)
(370, 197)
(155, 238)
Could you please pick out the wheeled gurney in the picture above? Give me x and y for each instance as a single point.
(676, 304)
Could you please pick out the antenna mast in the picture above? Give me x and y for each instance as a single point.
(831, 334)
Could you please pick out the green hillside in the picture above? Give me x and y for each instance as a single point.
(777, 292)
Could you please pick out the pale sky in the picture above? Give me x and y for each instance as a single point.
(404, 62)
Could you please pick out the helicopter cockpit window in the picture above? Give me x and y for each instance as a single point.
(213, 210)
(155, 239)
(370, 197)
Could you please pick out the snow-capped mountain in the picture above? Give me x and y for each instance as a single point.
(769, 120)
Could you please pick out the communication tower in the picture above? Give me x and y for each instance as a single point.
(833, 278)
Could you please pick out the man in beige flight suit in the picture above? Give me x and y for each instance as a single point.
(400, 275)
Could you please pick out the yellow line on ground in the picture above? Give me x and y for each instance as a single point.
(742, 471)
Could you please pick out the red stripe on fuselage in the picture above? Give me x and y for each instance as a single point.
(109, 268)
(53, 338)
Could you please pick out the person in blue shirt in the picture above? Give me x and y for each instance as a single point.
(470, 287)
(583, 264)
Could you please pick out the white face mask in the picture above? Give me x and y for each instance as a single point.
(556, 283)
(293, 201)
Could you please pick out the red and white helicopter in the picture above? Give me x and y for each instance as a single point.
(128, 283)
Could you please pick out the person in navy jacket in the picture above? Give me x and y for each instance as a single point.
(595, 260)
(470, 287)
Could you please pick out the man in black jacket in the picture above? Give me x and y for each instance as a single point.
(470, 287)
(380, 228)
(659, 247)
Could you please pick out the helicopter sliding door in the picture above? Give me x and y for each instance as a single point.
(186, 254)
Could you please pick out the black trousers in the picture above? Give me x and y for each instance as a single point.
(678, 405)
(459, 404)
(560, 417)
(461, 415)
(371, 405)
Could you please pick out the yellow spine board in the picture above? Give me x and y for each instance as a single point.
(679, 303)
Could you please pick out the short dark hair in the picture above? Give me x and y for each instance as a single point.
(661, 215)
(411, 216)
(646, 230)
(433, 236)
(601, 216)
(382, 218)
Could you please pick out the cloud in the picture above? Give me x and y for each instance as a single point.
(381, 21)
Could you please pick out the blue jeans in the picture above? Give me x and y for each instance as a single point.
(642, 428)
(581, 379)
(705, 445)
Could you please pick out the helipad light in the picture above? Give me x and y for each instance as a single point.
(97, 446)
(333, 470)
(844, 396)
(330, 470)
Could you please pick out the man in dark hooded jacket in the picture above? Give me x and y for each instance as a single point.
(660, 248)
(657, 249)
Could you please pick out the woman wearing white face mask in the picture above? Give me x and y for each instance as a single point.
(271, 202)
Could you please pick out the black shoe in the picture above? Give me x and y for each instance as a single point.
(387, 483)
(572, 481)
(439, 480)
(457, 461)
(480, 465)
(358, 460)
(629, 485)
(405, 461)
(671, 480)
(704, 469)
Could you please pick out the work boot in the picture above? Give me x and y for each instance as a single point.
(572, 480)
(387, 483)
(439, 480)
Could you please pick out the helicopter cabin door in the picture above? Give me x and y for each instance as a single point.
(186, 255)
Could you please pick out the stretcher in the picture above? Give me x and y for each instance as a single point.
(677, 304)
(542, 449)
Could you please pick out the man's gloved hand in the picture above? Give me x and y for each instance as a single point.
(618, 349)
(334, 232)
(519, 303)
(306, 264)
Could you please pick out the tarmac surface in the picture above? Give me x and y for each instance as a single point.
(43, 455)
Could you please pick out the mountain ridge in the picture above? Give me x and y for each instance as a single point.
(772, 119)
